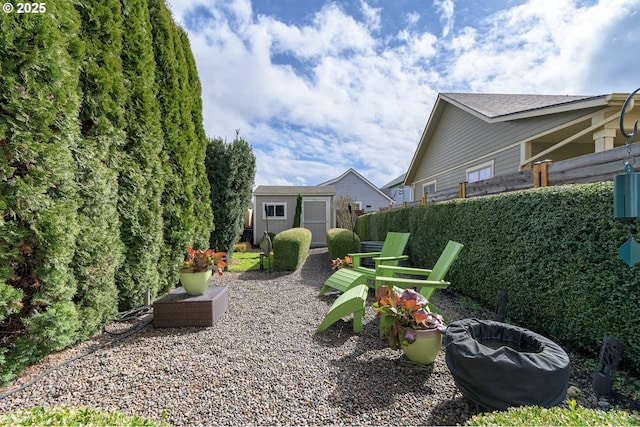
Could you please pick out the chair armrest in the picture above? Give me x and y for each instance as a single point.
(401, 282)
(390, 270)
(364, 254)
(390, 258)
(355, 258)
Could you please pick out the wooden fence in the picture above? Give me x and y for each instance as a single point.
(594, 167)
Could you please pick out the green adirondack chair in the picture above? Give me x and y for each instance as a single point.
(352, 301)
(433, 279)
(390, 254)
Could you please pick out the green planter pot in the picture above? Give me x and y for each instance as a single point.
(195, 283)
(424, 350)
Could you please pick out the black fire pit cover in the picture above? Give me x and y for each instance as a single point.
(498, 365)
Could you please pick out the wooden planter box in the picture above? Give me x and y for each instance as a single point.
(179, 310)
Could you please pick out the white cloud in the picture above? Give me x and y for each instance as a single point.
(316, 97)
(446, 10)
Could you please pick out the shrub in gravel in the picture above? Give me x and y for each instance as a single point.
(341, 242)
(572, 416)
(290, 247)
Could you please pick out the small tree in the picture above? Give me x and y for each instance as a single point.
(344, 219)
(231, 170)
(296, 218)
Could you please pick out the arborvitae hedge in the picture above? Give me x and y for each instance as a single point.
(141, 177)
(39, 130)
(181, 198)
(231, 171)
(99, 248)
(554, 250)
(83, 166)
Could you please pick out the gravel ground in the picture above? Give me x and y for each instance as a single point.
(261, 364)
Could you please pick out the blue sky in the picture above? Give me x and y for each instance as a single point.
(318, 87)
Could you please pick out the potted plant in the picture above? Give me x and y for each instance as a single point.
(197, 268)
(339, 263)
(407, 323)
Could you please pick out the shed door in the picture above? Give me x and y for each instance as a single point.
(316, 217)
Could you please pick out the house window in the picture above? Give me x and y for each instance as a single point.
(275, 210)
(429, 188)
(480, 172)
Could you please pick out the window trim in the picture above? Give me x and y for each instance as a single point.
(428, 184)
(264, 214)
(482, 166)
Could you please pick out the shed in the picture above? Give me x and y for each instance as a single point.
(275, 208)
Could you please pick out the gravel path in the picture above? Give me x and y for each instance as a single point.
(262, 363)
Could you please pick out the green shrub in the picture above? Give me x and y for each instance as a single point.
(290, 247)
(341, 242)
(63, 416)
(554, 250)
(557, 416)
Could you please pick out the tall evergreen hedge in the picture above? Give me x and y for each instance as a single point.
(99, 249)
(181, 199)
(554, 250)
(39, 130)
(102, 152)
(141, 175)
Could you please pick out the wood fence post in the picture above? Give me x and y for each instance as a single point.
(462, 190)
(541, 173)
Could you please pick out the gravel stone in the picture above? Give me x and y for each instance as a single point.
(262, 364)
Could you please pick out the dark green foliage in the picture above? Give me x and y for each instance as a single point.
(82, 169)
(554, 250)
(290, 248)
(141, 177)
(231, 170)
(98, 252)
(39, 131)
(185, 192)
(341, 242)
(298, 214)
(203, 212)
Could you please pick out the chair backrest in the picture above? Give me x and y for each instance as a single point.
(394, 244)
(447, 257)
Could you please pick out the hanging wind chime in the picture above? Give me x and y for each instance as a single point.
(626, 191)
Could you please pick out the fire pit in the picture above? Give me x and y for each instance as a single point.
(497, 365)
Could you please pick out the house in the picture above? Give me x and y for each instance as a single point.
(471, 137)
(366, 196)
(397, 190)
(275, 209)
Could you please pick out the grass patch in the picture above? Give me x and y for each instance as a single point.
(246, 261)
(572, 416)
(66, 416)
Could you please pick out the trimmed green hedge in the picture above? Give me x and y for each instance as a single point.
(341, 242)
(290, 248)
(102, 150)
(554, 250)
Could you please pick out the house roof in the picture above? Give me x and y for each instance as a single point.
(365, 180)
(506, 106)
(493, 108)
(396, 181)
(294, 190)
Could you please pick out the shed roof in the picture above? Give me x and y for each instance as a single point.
(294, 190)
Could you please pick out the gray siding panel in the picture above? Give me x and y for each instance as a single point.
(462, 140)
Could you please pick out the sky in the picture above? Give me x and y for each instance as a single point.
(318, 87)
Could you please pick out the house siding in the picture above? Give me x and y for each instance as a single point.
(462, 140)
(353, 186)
